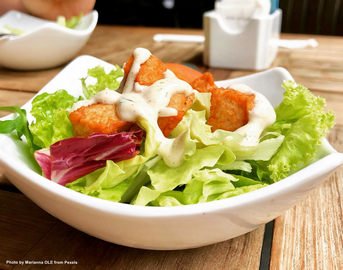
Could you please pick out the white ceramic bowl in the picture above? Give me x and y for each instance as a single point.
(44, 44)
(165, 227)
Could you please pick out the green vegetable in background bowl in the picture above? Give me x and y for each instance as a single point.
(69, 23)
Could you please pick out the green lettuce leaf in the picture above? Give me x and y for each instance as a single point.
(164, 178)
(206, 185)
(302, 119)
(172, 151)
(170, 198)
(239, 191)
(237, 165)
(118, 182)
(18, 126)
(12, 30)
(151, 144)
(263, 151)
(202, 102)
(214, 182)
(71, 23)
(146, 195)
(210, 185)
(110, 182)
(51, 117)
(104, 80)
(195, 121)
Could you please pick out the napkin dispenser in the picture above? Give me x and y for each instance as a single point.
(241, 43)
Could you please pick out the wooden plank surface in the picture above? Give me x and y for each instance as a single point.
(306, 237)
(13, 98)
(309, 236)
(320, 68)
(25, 80)
(40, 237)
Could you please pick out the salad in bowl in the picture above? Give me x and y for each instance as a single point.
(107, 150)
(164, 134)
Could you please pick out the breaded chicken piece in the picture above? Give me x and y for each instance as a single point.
(204, 83)
(102, 118)
(181, 103)
(229, 109)
(151, 71)
(97, 118)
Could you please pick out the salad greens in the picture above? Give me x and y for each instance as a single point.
(104, 80)
(18, 127)
(302, 120)
(9, 29)
(51, 117)
(69, 23)
(218, 166)
(215, 165)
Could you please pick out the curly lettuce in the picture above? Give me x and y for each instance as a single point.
(302, 119)
(51, 123)
(110, 80)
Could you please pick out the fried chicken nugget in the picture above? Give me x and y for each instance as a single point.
(151, 71)
(204, 83)
(102, 118)
(97, 118)
(229, 109)
(181, 103)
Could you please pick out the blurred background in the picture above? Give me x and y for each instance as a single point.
(324, 17)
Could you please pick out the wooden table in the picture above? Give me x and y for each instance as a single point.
(308, 236)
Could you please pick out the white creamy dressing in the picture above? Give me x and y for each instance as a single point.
(261, 116)
(153, 101)
(140, 56)
(149, 102)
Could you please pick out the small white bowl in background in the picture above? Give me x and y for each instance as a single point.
(43, 44)
(165, 228)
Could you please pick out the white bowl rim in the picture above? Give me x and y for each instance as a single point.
(53, 26)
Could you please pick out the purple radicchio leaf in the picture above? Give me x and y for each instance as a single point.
(72, 158)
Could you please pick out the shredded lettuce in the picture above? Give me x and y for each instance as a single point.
(51, 123)
(119, 182)
(206, 185)
(104, 80)
(164, 178)
(109, 182)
